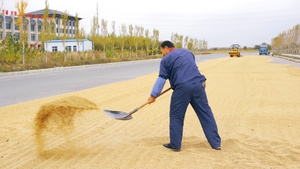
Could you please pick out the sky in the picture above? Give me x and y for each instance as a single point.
(220, 22)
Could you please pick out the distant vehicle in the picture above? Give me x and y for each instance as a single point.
(263, 49)
(235, 50)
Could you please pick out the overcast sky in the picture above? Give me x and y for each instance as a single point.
(220, 22)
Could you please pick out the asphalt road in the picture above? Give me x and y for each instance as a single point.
(26, 87)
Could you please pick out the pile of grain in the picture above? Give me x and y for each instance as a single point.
(57, 118)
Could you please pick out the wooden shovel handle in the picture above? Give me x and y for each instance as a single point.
(141, 106)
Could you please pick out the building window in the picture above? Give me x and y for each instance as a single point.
(32, 27)
(33, 37)
(74, 32)
(68, 48)
(74, 48)
(39, 28)
(8, 25)
(54, 48)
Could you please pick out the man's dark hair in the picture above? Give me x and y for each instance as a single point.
(167, 43)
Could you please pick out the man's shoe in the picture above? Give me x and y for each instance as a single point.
(170, 147)
(218, 148)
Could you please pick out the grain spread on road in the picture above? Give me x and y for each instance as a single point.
(255, 104)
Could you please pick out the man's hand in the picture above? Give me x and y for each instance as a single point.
(203, 84)
(151, 99)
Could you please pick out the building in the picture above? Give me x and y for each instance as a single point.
(70, 45)
(35, 19)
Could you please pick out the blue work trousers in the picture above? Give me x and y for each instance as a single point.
(195, 95)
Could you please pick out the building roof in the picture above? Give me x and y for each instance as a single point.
(67, 40)
(51, 12)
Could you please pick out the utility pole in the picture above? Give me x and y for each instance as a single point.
(97, 21)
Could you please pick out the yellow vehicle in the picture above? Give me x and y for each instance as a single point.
(235, 50)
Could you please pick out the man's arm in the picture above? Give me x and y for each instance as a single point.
(156, 90)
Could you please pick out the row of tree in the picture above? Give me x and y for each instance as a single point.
(137, 40)
(287, 41)
(188, 43)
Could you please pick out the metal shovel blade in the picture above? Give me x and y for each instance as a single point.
(120, 115)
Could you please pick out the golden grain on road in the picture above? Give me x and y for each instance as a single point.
(256, 105)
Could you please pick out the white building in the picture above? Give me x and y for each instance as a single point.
(70, 45)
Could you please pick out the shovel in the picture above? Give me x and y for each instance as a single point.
(120, 115)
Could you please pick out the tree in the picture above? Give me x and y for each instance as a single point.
(186, 41)
(181, 41)
(195, 44)
(113, 36)
(1, 14)
(10, 50)
(191, 44)
(136, 34)
(205, 44)
(21, 7)
(147, 41)
(177, 40)
(141, 39)
(200, 45)
(131, 39)
(94, 33)
(64, 16)
(48, 32)
(103, 34)
(155, 39)
(123, 33)
(79, 34)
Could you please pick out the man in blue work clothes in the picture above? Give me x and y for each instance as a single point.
(178, 65)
